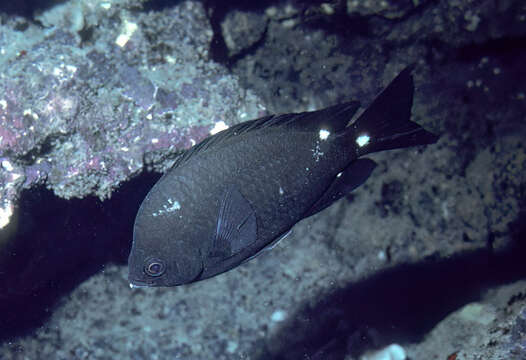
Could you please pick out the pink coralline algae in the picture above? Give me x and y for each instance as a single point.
(7, 138)
(15, 122)
(82, 121)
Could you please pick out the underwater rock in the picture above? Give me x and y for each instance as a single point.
(241, 30)
(517, 346)
(113, 101)
(491, 328)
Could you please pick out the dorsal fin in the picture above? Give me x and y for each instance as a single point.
(333, 119)
(222, 136)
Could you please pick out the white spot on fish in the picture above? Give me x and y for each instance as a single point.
(363, 140)
(324, 134)
(168, 208)
(219, 126)
(339, 174)
(316, 152)
(281, 192)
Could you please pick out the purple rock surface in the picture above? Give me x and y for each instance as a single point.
(82, 114)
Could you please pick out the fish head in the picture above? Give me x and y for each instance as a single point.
(159, 259)
(165, 249)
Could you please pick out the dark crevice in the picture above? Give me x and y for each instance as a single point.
(505, 48)
(42, 150)
(351, 25)
(59, 244)
(218, 48)
(217, 11)
(26, 8)
(159, 5)
(251, 50)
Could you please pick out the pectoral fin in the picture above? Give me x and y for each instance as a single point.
(236, 225)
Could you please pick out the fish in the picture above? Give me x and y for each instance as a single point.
(238, 192)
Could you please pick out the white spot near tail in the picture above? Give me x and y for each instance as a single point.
(363, 140)
(324, 134)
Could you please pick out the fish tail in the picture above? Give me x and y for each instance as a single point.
(386, 123)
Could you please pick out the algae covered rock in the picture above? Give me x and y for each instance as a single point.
(121, 93)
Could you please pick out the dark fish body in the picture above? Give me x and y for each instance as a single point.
(238, 191)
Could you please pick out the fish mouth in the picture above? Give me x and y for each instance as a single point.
(138, 284)
(135, 286)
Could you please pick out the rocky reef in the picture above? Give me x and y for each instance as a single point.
(92, 93)
(425, 261)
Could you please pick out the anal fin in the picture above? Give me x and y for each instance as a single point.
(270, 246)
(349, 179)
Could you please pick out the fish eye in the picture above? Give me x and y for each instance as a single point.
(154, 267)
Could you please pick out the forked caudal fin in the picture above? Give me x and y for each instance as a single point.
(386, 123)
